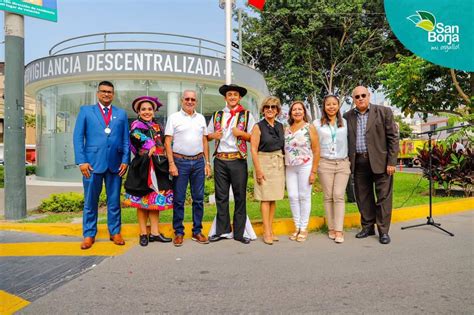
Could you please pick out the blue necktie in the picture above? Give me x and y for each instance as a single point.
(106, 111)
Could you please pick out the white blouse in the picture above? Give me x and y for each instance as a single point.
(332, 140)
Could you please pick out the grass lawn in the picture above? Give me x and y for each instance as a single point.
(408, 191)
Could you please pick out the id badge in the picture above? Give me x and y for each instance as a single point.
(332, 149)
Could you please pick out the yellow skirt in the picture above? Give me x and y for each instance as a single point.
(273, 167)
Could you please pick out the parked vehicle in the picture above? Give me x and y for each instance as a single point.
(30, 154)
(408, 151)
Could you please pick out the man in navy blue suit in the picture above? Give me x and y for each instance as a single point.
(101, 149)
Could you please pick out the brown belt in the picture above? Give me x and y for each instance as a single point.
(229, 156)
(188, 157)
(364, 155)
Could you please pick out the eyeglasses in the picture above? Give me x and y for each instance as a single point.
(360, 96)
(272, 107)
(106, 92)
(190, 99)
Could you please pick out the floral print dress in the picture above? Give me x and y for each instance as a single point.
(143, 136)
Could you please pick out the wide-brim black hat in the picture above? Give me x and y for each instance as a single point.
(232, 87)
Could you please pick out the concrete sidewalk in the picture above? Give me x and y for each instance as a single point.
(423, 270)
(37, 190)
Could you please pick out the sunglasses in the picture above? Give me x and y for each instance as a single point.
(190, 99)
(272, 107)
(360, 96)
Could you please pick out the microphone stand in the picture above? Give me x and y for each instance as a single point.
(429, 218)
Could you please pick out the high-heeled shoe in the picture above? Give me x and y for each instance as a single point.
(268, 240)
(332, 234)
(339, 238)
(302, 236)
(294, 236)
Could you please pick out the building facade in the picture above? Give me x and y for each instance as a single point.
(62, 83)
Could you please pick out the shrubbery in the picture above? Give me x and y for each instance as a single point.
(67, 202)
(74, 202)
(63, 202)
(30, 170)
(450, 167)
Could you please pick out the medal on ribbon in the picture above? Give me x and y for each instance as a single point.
(107, 118)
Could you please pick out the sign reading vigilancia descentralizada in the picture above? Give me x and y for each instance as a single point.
(96, 62)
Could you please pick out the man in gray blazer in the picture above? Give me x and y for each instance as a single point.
(373, 150)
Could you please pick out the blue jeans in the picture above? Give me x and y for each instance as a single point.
(190, 171)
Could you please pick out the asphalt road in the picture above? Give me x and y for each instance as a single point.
(423, 270)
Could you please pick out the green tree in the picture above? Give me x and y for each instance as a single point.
(416, 85)
(307, 49)
(30, 120)
(404, 129)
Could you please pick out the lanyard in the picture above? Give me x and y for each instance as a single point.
(333, 133)
(106, 118)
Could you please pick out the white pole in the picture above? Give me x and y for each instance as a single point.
(228, 42)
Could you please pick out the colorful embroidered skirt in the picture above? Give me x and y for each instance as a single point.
(153, 201)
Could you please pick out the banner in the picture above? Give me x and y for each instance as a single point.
(439, 31)
(41, 9)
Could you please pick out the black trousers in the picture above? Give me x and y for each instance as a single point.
(373, 193)
(233, 173)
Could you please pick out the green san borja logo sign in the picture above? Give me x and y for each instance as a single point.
(439, 31)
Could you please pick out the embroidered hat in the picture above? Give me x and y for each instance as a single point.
(232, 87)
(155, 102)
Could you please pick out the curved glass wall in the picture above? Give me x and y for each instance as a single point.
(57, 108)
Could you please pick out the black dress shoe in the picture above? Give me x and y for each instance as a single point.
(160, 238)
(144, 240)
(243, 240)
(365, 232)
(215, 238)
(384, 239)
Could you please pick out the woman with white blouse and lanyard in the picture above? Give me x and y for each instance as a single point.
(334, 166)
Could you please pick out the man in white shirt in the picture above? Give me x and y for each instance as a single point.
(188, 155)
(231, 128)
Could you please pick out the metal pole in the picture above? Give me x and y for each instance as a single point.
(431, 174)
(240, 35)
(14, 113)
(228, 44)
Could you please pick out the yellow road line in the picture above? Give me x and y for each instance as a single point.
(62, 249)
(10, 303)
(280, 226)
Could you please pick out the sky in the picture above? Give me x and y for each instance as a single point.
(200, 18)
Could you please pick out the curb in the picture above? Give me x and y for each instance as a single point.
(280, 226)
